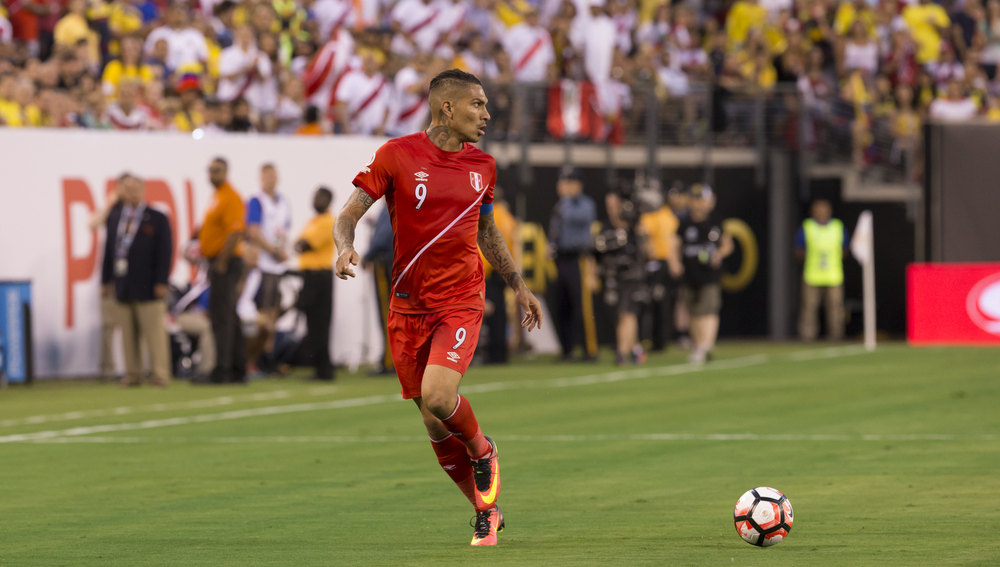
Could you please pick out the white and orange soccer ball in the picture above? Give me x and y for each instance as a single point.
(763, 516)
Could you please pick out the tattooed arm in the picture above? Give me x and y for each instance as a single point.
(494, 249)
(343, 232)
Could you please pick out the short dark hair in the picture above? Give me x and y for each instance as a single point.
(312, 114)
(326, 192)
(222, 161)
(453, 78)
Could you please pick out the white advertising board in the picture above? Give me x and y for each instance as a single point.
(53, 181)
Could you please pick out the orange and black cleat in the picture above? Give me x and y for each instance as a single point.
(486, 524)
(487, 476)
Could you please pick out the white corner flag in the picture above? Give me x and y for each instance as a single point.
(863, 249)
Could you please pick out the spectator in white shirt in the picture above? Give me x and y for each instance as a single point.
(955, 106)
(450, 24)
(291, 103)
(242, 67)
(860, 51)
(415, 25)
(410, 108)
(655, 31)
(625, 17)
(185, 45)
(363, 97)
(599, 50)
(332, 15)
(529, 46)
(126, 113)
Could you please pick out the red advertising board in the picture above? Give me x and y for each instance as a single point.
(953, 304)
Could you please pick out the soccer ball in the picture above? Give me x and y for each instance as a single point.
(763, 516)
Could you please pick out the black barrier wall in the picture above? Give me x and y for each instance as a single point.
(745, 310)
(962, 193)
(744, 306)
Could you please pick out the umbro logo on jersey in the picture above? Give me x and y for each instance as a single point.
(476, 180)
(453, 356)
(449, 467)
(421, 175)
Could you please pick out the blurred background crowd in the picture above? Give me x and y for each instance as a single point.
(864, 72)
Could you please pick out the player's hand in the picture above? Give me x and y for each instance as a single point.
(344, 263)
(532, 309)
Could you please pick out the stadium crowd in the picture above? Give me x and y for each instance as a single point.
(868, 72)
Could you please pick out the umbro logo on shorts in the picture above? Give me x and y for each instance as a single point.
(421, 175)
(453, 356)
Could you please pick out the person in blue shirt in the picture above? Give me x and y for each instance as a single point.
(571, 243)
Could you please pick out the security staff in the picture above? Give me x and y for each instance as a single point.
(316, 250)
(138, 255)
(660, 227)
(221, 244)
(571, 244)
(379, 259)
(821, 243)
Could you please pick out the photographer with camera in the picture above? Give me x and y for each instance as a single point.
(699, 249)
(625, 250)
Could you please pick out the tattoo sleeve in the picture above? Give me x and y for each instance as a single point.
(495, 250)
(343, 230)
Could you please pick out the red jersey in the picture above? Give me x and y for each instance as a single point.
(434, 199)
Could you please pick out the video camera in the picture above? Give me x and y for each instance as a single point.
(621, 249)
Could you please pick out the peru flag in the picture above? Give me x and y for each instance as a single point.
(574, 111)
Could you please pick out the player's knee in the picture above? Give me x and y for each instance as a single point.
(439, 404)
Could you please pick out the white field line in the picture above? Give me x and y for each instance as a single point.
(529, 438)
(829, 352)
(191, 404)
(618, 376)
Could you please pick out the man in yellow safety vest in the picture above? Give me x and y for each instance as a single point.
(820, 244)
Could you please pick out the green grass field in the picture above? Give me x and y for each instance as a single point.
(889, 458)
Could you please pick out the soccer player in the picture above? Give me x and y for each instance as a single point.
(439, 191)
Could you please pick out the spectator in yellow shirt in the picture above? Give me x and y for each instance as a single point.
(19, 110)
(74, 27)
(744, 17)
(316, 250)
(927, 21)
(128, 68)
(850, 12)
(124, 18)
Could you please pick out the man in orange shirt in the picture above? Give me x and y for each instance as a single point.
(221, 235)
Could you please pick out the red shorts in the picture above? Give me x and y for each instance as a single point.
(445, 338)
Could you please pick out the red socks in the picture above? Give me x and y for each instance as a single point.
(463, 425)
(454, 459)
